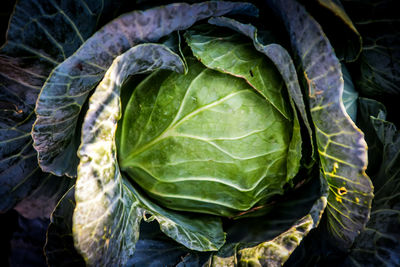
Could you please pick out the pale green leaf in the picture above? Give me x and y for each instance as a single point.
(284, 64)
(231, 53)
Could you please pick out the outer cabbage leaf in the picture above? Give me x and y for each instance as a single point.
(35, 45)
(59, 248)
(332, 16)
(316, 251)
(341, 145)
(152, 249)
(109, 210)
(379, 243)
(271, 239)
(41, 202)
(19, 172)
(274, 252)
(66, 90)
(26, 244)
(378, 64)
(367, 108)
(201, 233)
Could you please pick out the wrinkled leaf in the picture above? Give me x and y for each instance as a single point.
(341, 145)
(270, 240)
(278, 250)
(109, 210)
(40, 35)
(386, 181)
(70, 83)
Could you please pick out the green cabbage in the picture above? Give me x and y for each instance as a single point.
(206, 134)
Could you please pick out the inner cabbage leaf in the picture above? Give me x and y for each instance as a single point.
(204, 142)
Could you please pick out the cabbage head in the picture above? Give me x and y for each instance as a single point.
(217, 133)
(210, 140)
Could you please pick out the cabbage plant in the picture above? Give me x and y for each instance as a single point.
(205, 134)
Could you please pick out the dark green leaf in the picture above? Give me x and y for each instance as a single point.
(19, 172)
(379, 243)
(155, 252)
(333, 18)
(201, 233)
(68, 87)
(341, 145)
(41, 202)
(21, 179)
(193, 260)
(41, 34)
(367, 108)
(155, 249)
(27, 243)
(386, 182)
(379, 67)
(59, 248)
